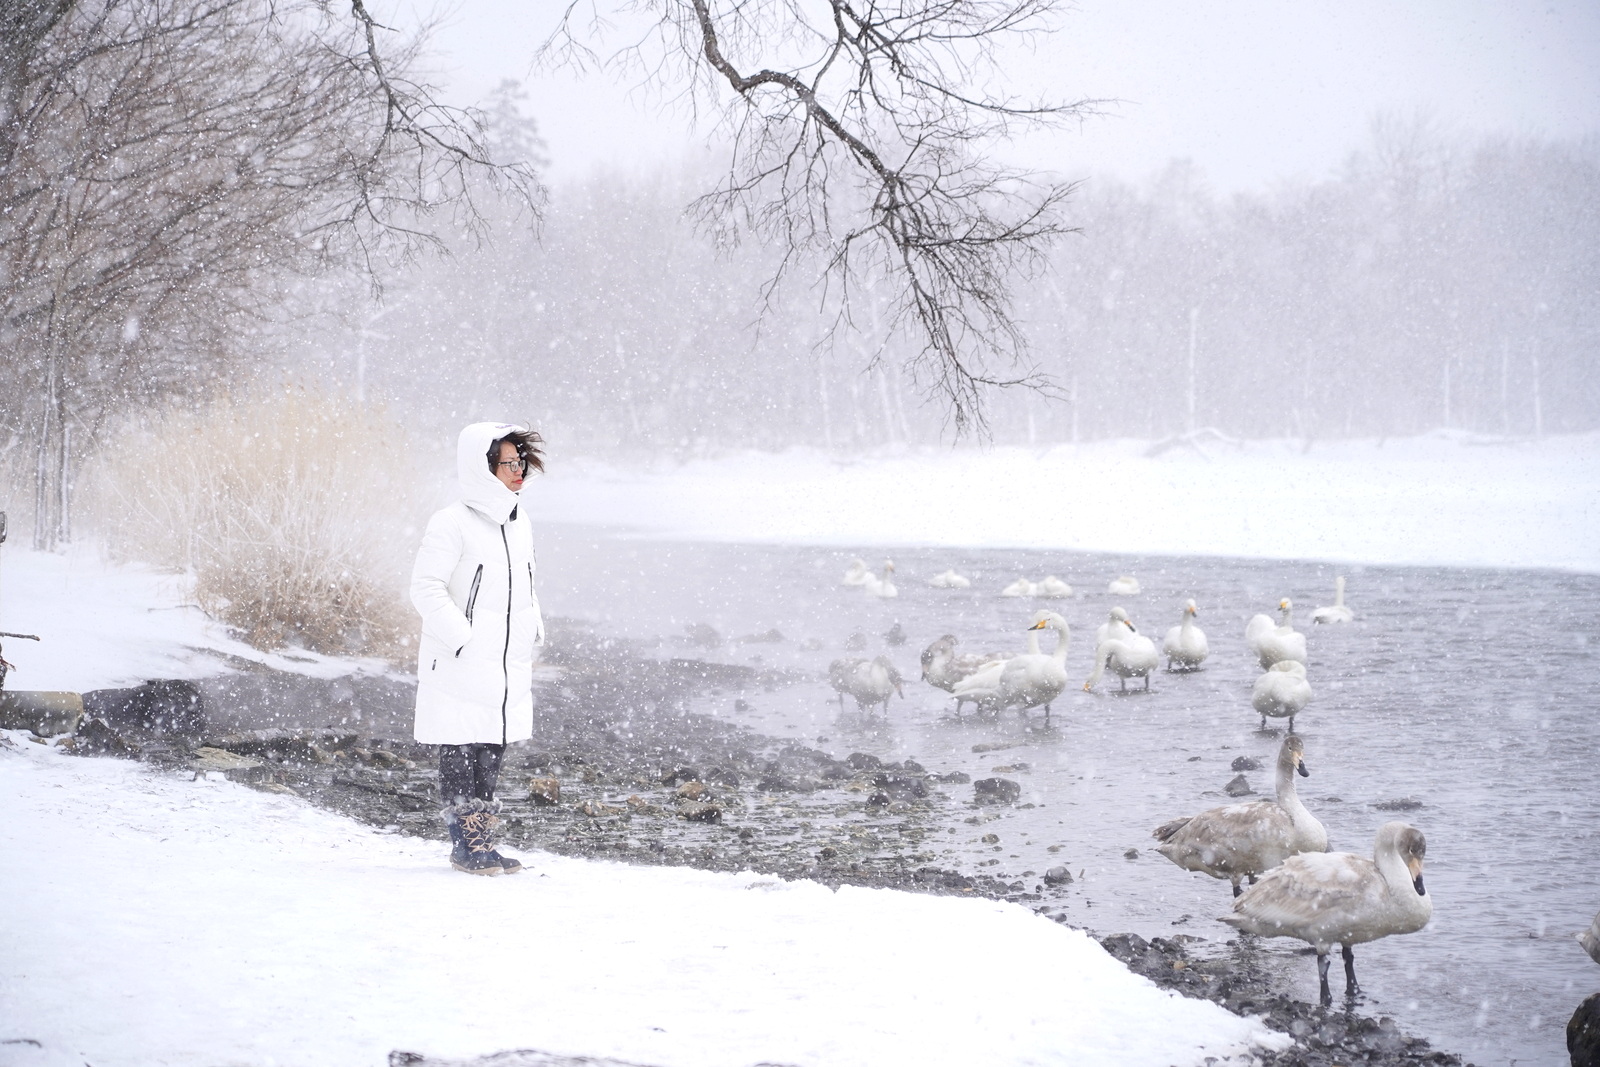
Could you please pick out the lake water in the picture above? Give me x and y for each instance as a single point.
(1473, 692)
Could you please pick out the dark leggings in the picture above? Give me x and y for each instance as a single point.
(468, 772)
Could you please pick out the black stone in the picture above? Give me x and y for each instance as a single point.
(996, 791)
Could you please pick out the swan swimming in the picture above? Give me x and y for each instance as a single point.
(1336, 612)
(1590, 939)
(881, 587)
(858, 573)
(949, 580)
(1281, 692)
(1323, 897)
(1053, 588)
(870, 681)
(1124, 585)
(1124, 650)
(1186, 644)
(1024, 681)
(1272, 644)
(1244, 840)
(1020, 587)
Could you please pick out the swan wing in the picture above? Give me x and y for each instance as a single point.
(1319, 897)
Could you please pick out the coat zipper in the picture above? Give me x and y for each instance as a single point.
(505, 652)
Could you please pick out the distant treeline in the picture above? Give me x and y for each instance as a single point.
(1433, 283)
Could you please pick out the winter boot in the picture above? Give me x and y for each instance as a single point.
(469, 839)
(507, 864)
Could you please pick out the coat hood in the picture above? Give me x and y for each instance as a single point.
(480, 489)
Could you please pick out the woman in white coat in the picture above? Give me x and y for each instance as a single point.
(473, 585)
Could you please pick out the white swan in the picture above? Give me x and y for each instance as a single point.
(1186, 644)
(870, 681)
(1273, 644)
(881, 587)
(1020, 587)
(1127, 655)
(1281, 692)
(1125, 585)
(858, 573)
(1590, 939)
(943, 667)
(1053, 588)
(1337, 612)
(1026, 681)
(949, 580)
(1323, 897)
(1245, 840)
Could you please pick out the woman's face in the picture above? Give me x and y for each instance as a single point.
(509, 470)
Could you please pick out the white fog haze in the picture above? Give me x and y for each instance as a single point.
(1028, 522)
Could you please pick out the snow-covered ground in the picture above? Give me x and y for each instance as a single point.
(153, 919)
(1445, 499)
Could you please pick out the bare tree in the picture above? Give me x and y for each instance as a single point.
(860, 132)
(167, 165)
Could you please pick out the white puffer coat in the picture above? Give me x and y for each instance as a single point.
(473, 584)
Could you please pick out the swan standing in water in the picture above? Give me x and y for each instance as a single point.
(1186, 643)
(1273, 644)
(1026, 681)
(1337, 612)
(1323, 897)
(1281, 692)
(881, 587)
(1244, 840)
(1124, 650)
(943, 667)
(1125, 585)
(858, 573)
(949, 580)
(870, 681)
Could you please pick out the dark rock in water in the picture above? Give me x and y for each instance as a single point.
(1131, 854)
(1583, 1034)
(993, 746)
(775, 783)
(951, 778)
(895, 637)
(996, 791)
(991, 839)
(861, 761)
(681, 775)
(901, 788)
(544, 792)
(855, 642)
(911, 766)
(827, 852)
(1400, 804)
(46, 714)
(741, 705)
(837, 772)
(768, 637)
(1058, 876)
(879, 800)
(747, 834)
(1239, 787)
(1244, 763)
(699, 812)
(702, 635)
(722, 776)
(690, 791)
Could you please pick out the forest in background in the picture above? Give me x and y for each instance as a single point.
(1434, 282)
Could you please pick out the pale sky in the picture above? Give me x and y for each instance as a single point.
(1252, 91)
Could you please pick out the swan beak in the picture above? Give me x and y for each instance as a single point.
(1414, 867)
(1416, 884)
(1301, 767)
(1038, 625)
(1087, 688)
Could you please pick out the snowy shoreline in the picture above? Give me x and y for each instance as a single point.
(1445, 499)
(249, 927)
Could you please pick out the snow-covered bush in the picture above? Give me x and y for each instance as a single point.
(295, 511)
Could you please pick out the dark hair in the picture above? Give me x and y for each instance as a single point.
(527, 444)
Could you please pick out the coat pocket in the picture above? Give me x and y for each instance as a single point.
(472, 595)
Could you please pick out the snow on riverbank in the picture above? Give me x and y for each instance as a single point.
(151, 919)
(1444, 499)
(103, 626)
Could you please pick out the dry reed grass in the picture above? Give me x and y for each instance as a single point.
(292, 509)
